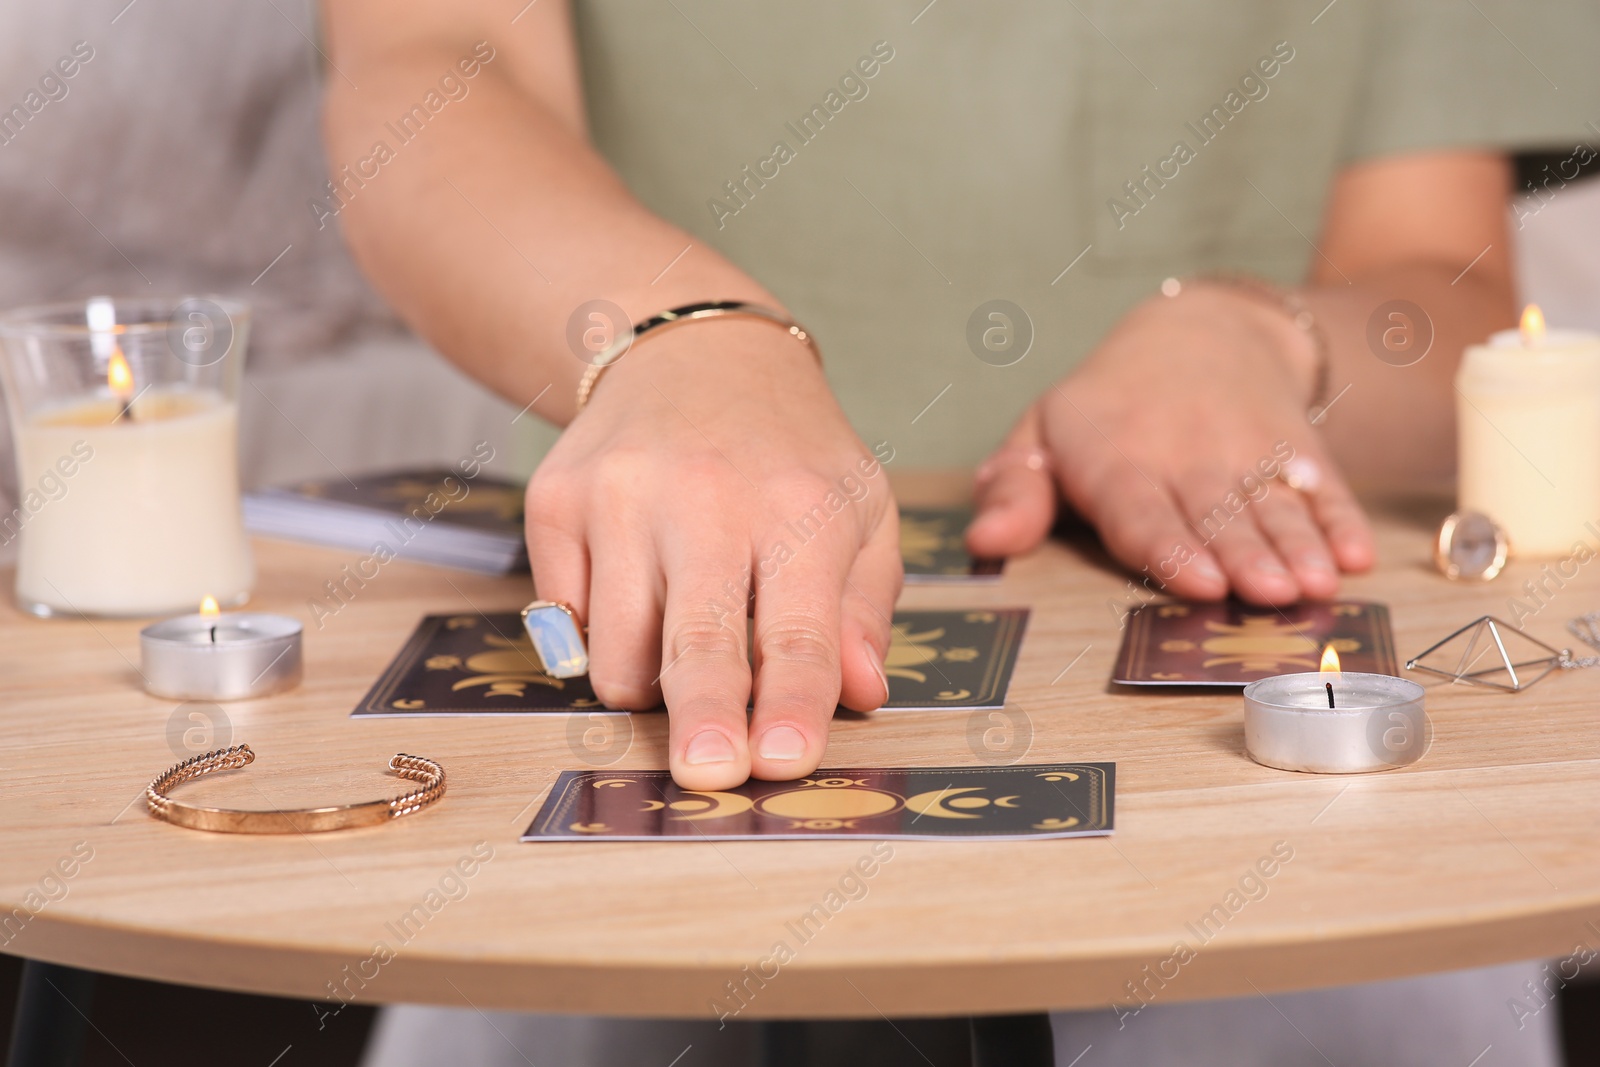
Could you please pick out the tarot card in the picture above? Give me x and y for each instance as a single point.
(473, 664)
(953, 659)
(1233, 644)
(997, 803)
(933, 547)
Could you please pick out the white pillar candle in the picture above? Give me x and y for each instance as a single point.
(147, 521)
(1528, 414)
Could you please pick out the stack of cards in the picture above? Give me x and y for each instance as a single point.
(995, 803)
(485, 665)
(1233, 644)
(438, 516)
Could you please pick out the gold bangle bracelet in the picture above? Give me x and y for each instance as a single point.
(677, 317)
(303, 820)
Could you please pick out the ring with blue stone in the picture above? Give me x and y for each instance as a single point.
(558, 638)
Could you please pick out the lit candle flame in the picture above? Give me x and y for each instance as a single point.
(208, 606)
(1330, 660)
(1532, 325)
(119, 376)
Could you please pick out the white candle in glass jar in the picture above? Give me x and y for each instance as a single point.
(147, 521)
(1528, 414)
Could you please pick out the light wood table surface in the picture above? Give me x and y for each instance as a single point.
(1484, 852)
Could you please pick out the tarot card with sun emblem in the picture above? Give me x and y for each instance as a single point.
(996, 803)
(933, 547)
(1233, 644)
(472, 665)
(952, 659)
(485, 665)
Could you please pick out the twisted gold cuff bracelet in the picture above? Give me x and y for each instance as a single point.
(303, 820)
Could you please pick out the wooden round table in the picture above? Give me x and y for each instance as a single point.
(1481, 853)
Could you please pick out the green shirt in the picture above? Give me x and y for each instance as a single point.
(888, 169)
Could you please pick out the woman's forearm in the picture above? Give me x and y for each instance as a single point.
(1410, 245)
(1391, 422)
(496, 221)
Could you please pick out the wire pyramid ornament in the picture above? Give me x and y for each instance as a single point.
(1485, 636)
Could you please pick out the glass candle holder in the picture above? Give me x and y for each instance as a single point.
(125, 414)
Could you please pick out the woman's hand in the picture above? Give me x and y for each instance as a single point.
(1168, 440)
(713, 465)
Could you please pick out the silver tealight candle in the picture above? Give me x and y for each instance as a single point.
(211, 656)
(1334, 722)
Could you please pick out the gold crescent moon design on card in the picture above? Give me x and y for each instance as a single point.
(933, 803)
(722, 805)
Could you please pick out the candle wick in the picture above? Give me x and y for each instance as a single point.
(214, 641)
(1330, 694)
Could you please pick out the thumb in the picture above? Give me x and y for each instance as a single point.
(1015, 494)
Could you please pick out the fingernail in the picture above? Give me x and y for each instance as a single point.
(708, 746)
(1206, 568)
(1270, 565)
(877, 667)
(1320, 564)
(782, 743)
